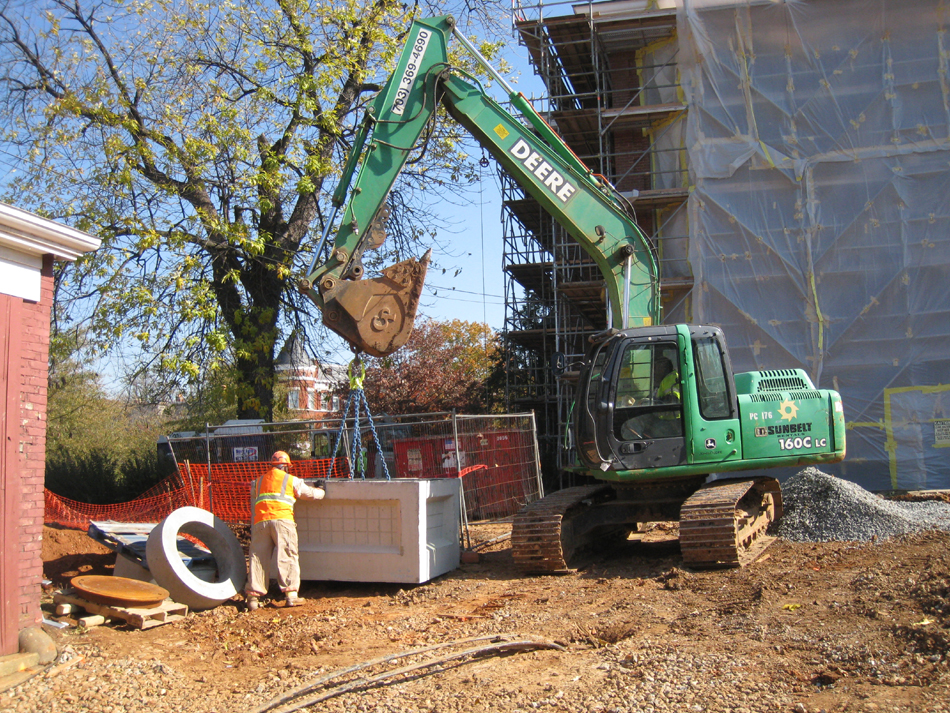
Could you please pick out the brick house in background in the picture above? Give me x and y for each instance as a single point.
(310, 385)
(28, 246)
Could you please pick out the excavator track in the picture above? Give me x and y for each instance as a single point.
(539, 543)
(724, 523)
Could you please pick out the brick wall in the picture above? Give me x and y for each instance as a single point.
(34, 364)
(629, 144)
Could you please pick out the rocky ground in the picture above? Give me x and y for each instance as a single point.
(831, 626)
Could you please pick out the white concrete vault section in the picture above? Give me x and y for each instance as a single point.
(400, 531)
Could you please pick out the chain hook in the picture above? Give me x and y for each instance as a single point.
(357, 398)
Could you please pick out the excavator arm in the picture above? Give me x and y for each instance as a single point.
(376, 315)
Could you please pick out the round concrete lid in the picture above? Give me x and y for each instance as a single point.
(118, 591)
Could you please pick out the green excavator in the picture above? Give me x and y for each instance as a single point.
(658, 409)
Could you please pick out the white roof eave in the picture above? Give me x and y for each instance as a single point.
(27, 232)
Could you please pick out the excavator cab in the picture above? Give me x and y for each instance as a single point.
(635, 395)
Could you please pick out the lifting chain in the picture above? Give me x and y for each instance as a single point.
(356, 399)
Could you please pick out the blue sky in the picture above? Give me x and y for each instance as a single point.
(477, 238)
(477, 293)
(474, 240)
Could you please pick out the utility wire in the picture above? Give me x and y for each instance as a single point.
(464, 292)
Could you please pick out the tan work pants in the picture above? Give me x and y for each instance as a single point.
(268, 537)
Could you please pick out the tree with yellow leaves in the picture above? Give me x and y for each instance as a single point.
(200, 139)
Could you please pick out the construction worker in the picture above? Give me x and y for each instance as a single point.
(668, 389)
(668, 423)
(273, 530)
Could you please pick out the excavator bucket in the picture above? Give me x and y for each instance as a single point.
(376, 315)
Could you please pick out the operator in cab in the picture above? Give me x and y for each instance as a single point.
(657, 413)
(668, 392)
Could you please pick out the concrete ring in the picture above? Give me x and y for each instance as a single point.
(170, 572)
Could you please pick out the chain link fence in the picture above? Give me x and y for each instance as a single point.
(495, 456)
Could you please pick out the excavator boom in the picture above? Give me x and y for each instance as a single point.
(376, 315)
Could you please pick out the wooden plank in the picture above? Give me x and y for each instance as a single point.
(15, 679)
(138, 617)
(17, 662)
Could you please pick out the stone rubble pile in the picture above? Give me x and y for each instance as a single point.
(822, 508)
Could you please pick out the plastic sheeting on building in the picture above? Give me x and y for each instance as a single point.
(818, 138)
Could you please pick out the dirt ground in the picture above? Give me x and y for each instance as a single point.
(807, 628)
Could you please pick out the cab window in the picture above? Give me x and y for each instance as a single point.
(711, 385)
(648, 399)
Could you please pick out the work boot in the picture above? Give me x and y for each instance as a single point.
(253, 603)
(293, 600)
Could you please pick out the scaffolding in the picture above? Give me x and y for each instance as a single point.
(613, 95)
(791, 163)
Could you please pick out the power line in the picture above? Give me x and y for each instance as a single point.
(466, 292)
(469, 301)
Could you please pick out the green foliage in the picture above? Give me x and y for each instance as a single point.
(98, 450)
(212, 401)
(199, 140)
(282, 410)
(444, 366)
(96, 477)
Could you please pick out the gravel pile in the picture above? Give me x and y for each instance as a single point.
(822, 508)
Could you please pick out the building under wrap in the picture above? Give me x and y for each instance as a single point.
(791, 160)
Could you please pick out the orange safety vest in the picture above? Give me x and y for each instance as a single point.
(272, 497)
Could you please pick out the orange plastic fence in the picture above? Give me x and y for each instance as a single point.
(498, 475)
(225, 492)
(69, 513)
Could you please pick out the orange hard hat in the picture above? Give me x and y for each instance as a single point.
(280, 457)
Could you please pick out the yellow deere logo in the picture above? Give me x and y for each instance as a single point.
(789, 410)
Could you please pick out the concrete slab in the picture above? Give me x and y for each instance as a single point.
(404, 530)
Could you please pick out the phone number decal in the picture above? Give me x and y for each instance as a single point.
(411, 72)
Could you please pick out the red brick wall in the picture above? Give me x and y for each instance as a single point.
(9, 473)
(34, 365)
(629, 144)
